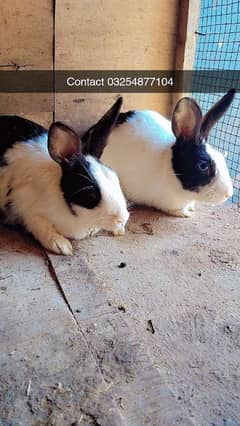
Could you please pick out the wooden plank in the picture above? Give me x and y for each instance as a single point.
(83, 110)
(183, 17)
(26, 103)
(43, 118)
(191, 34)
(188, 18)
(113, 35)
(26, 33)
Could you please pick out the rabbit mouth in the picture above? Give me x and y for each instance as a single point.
(214, 194)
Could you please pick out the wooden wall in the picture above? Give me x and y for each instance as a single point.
(89, 34)
(26, 34)
(113, 34)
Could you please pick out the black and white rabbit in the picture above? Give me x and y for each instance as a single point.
(168, 164)
(49, 186)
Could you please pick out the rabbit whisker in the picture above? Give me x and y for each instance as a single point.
(86, 177)
(80, 190)
(209, 191)
(86, 170)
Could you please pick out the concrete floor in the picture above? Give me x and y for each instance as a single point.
(154, 342)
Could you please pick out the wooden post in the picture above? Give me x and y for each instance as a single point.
(188, 18)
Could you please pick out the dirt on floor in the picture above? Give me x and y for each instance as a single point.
(142, 329)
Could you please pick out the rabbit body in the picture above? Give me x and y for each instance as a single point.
(140, 150)
(166, 164)
(37, 188)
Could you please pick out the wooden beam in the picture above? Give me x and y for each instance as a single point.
(188, 19)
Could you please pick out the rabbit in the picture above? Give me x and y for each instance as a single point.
(168, 164)
(54, 190)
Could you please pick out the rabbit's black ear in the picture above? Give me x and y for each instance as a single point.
(63, 142)
(216, 112)
(186, 119)
(95, 139)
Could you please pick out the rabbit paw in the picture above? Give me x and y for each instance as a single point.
(191, 207)
(185, 213)
(47, 235)
(60, 245)
(92, 232)
(180, 213)
(119, 231)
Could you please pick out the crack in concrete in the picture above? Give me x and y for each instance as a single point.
(54, 276)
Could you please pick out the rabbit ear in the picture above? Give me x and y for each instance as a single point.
(63, 142)
(186, 120)
(216, 112)
(95, 139)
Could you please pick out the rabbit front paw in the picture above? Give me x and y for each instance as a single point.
(48, 236)
(59, 245)
(179, 213)
(91, 232)
(118, 231)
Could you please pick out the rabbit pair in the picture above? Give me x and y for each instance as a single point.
(54, 189)
(55, 185)
(167, 164)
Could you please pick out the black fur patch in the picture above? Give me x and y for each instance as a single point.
(16, 129)
(124, 117)
(78, 184)
(189, 160)
(95, 139)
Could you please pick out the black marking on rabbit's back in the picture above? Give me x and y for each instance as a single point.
(124, 117)
(14, 129)
(185, 161)
(79, 185)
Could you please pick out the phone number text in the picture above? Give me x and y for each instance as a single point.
(121, 82)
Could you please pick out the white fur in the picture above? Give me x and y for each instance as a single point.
(140, 152)
(38, 201)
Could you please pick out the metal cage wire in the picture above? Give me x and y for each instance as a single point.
(218, 48)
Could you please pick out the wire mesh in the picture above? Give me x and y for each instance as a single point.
(218, 48)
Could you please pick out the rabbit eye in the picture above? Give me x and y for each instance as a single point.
(203, 166)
